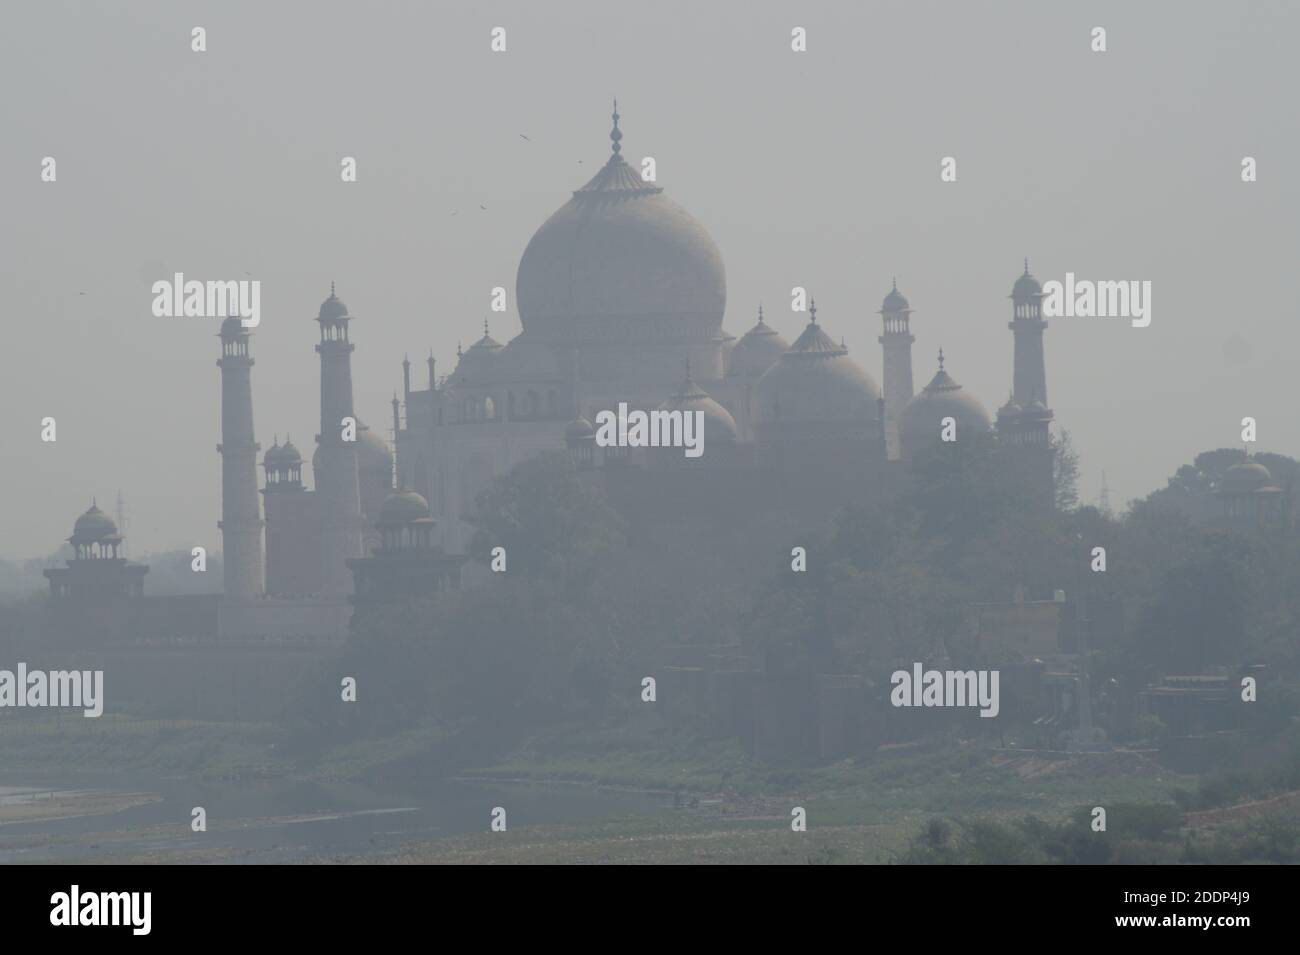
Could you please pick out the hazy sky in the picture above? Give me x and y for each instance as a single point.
(818, 169)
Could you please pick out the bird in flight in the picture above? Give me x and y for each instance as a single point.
(522, 136)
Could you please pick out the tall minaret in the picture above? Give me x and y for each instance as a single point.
(241, 518)
(337, 482)
(1030, 381)
(896, 390)
(1025, 420)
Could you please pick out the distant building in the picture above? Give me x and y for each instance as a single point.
(622, 297)
(1250, 499)
(407, 563)
(618, 291)
(97, 574)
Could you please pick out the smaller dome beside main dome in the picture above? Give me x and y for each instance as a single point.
(816, 381)
(719, 425)
(478, 360)
(921, 422)
(758, 350)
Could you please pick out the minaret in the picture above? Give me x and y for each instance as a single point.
(1027, 325)
(397, 435)
(337, 484)
(241, 518)
(1025, 420)
(121, 521)
(896, 383)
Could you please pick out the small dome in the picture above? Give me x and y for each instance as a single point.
(719, 425)
(525, 360)
(758, 350)
(280, 456)
(94, 525)
(232, 328)
(1245, 477)
(580, 428)
(895, 301)
(274, 456)
(403, 507)
(373, 453)
(479, 359)
(332, 307)
(1036, 409)
(1027, 288)
(816, 381)
(921, 420)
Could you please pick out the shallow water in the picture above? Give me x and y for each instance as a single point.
(284, 821)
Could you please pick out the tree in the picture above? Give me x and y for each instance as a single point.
(1065, 472)
(550, 523)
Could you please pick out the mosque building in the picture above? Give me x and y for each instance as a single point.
(618, 291)
(621, 296)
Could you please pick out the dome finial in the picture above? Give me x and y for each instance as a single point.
(812, 309)
(331, 288)
(615, 134)
(760, 313)
(1026, 265)
(485, 329)
(893, 279)
(941, 358)
(459, 353)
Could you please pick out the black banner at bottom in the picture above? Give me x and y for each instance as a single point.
(333, 904)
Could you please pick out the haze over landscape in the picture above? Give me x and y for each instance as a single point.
(818, 170)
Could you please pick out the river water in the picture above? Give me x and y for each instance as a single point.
(285, 821)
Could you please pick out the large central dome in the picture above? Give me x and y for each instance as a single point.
(621, 262)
